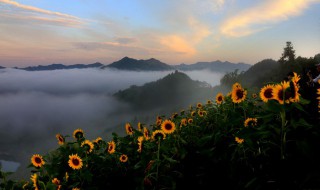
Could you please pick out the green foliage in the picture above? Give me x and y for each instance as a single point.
(230, 78)
(259, 74)
(249, 144)
(176, 90)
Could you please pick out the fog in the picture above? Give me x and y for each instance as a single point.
(35, 106)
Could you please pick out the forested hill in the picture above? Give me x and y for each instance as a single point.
(127, 63)
(176, 90)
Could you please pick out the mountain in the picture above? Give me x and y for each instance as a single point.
(216, 66)
(260, 73)
(176, 90)
(2, 67)
(127, 63)
(61, 66)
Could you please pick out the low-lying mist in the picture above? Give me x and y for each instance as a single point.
(35, 106)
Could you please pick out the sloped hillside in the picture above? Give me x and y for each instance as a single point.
(174, 90)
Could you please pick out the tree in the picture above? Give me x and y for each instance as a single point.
(288, 54)
(317, 57)
(287, 62)
(230, 78)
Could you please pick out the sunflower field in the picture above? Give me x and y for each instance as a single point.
(240, 140)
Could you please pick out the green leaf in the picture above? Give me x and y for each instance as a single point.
(170, 159)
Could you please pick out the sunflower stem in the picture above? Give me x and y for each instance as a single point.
(43, 185)
(283, 133)
(158, 158)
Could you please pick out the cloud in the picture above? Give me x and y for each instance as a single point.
(125, 40)
(30, 13)
(261, 17)
(178, 45)
(185, 43)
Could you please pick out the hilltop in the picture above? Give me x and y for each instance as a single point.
(127, 63)
(174, 90)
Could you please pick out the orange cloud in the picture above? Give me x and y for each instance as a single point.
(178, 45)
(52, 17)
(257, 18)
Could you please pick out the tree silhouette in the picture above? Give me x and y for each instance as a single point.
(287, 62)
(288, 54)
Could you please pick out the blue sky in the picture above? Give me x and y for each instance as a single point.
(42, 32)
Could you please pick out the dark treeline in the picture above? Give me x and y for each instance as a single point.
(272, 71)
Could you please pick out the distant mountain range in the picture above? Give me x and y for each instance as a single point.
(152, 64)
(217, 66)
(61, 66)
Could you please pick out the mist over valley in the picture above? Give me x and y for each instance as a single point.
(35, 106)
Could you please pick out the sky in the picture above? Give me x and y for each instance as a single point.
(43, 32)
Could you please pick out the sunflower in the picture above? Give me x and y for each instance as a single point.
(239, 140)
(294, 93)
(174, 115)
(87, 145)
(75, 162)
(201, 113)
(98, 140)
(219, 98)
(139, 126)
(146, 133)
(250, 122)
(78, 134)
(123, 158)
(295, 78)
(183, 122)
(37, 160)
(209, 102)
(168, 127)
(111, 147)
(193, 113)
(266, 93)
(158, 134)
(199, 105)
(34, 179)
(236, 85)
(66, 176)
(129, 129)
(75, 188)
(281, 92)
(56, 181)
(140, 140)
(60, 139)
(238, 94)
(159, 120)
(254, 95)
(190, 120)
